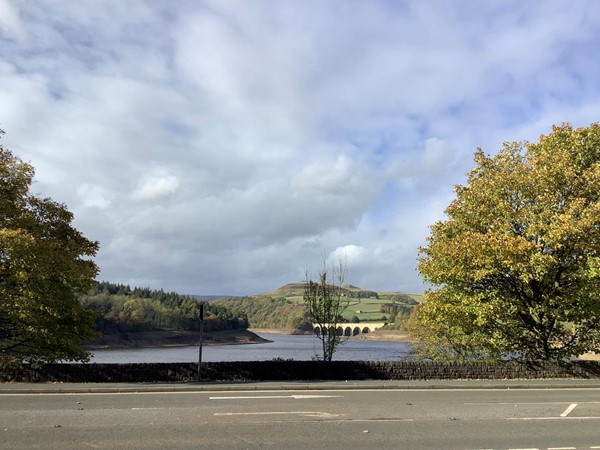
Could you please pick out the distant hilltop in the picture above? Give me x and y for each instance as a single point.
(208, 298)
(297, 290)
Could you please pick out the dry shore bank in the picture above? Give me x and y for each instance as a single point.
(385, 335)
(380, 335)
(165, 339)
(141, 339)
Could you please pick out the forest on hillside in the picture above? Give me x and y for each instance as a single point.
(267, 312)
(120, 308)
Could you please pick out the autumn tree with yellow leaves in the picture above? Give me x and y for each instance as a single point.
(44, 263)
(516, 265)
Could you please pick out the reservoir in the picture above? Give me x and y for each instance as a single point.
(299, 348)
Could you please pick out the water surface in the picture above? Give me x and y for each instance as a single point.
(299, 348)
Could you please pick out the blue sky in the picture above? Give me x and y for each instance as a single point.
(223, 147)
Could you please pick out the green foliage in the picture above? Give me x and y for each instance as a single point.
(402, 298)
(43, 264)
(398, 315)
(267, 312)
(124, 309)
(362, 294)
(516, 263)
(393, 309)
(286, 310)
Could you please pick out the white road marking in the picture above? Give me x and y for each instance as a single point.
(528, 403)
(568, 410)
(553, 418)
(562, 448)
(301, 397)
(264, 397)
(314, 414)
(280, 413)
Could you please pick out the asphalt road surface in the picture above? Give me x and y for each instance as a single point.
(336, 419)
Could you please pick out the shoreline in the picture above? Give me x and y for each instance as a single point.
(378, 335)
(175, 339)
(172, 339)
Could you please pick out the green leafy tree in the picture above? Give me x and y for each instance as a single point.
(516, 264)
(267, 312)
(121, 308)
(325, 304)
(43, 264)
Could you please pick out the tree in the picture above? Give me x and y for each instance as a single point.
(516, 265)
(43, 264)
(325, 303)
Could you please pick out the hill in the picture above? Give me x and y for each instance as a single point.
(297, 290)
(284, 307)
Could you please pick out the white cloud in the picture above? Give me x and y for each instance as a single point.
(157, 187)
(347, 254)
(93, 196)
(202, 143)
(332, 177)
(10, 23)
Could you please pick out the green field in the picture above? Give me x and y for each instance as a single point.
(366, 309)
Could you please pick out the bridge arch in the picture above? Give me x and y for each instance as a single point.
(348, 329)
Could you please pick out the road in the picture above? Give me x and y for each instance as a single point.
(340, 419)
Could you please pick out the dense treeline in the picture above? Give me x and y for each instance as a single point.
(121, 308)
(393, 309)
(363, 294)
(267, 312)
(399, 311)
(401, 298)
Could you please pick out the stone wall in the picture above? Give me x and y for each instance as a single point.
(296, 370)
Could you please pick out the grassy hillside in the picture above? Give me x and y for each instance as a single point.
(363, 305)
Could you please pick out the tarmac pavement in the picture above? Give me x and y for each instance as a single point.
(56, 388)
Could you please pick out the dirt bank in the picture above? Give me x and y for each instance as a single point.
(140, 339)
(379, 335)
(590, 356)
(385, 335)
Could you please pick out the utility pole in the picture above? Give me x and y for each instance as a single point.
(201, 341)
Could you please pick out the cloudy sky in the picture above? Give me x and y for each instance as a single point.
(223, 147)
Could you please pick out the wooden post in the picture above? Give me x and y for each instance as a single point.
(201, 341)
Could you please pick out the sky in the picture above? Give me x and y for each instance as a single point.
(228, 147)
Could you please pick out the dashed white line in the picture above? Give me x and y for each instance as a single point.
(568, 410)
(278, 413)
(554, 418)
(523, 449)
(266, 397)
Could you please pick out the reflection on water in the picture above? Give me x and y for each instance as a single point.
(299, 348)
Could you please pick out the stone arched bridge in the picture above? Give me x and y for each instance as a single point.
(352, 329)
